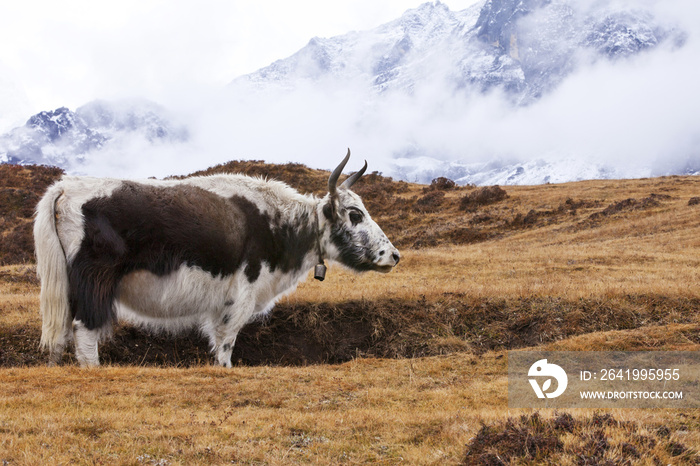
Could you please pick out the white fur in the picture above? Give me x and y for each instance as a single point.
(191, 297)
(52, 270)
(86, 345)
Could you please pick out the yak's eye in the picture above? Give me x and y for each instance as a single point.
(355, 217)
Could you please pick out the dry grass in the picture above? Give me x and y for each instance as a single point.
(19, 296)
(596, 265)
(366, 411)
(654, 253)
(362, 411)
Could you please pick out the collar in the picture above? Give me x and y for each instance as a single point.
(320, 269)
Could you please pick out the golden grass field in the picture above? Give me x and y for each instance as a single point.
(594, 265)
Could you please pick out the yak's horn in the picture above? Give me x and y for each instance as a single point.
(333, 180)
(356, 176)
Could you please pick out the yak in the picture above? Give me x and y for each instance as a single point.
(211, 252)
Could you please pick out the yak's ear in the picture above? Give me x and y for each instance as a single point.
(330, 210)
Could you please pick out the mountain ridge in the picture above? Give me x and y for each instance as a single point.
(524, 47)
(62, 137)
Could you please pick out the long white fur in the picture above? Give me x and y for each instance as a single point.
(53, 271)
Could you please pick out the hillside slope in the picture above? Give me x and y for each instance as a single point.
(414, 216)
(482, 268)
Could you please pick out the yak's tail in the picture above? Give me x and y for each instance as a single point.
(53, 273)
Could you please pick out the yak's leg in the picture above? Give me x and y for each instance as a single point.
(56, 353)
(85, 344)
(224, 351)
(232, 319)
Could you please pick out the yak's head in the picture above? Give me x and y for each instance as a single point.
(355, 240)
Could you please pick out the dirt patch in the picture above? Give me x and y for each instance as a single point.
(322, 333)
(599, 440)
(468, 235)
(19, 346)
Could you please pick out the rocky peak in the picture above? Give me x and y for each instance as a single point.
(53, 123)
(62, 137)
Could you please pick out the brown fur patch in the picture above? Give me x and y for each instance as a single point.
(158, 229)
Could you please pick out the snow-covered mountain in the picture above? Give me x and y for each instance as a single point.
(499, 172)
(524, 47)
(433, 93)
(64, 138)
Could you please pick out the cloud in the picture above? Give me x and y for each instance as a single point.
(634, 114)
(70, 52)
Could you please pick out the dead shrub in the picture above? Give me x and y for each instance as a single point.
(440, 184)
(17, 202)
(478, 219)
(594, 448)
(676, 449)
(528, 437)
(33, 177)
(467, 235)
(631, 204)
(565, 422)
(531, 439)
(694, 201)
(17, 245)
(430, 202)
(296, 175)
(527, 220)
(482, 196)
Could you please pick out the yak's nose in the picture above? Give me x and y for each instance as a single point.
(396, 256)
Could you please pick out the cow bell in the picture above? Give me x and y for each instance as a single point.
(320, 272)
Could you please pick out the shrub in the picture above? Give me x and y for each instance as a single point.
(440, 184)
(430, 202)
(482, 196)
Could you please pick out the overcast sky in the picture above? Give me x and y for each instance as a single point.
(68, 52)
(638, 112)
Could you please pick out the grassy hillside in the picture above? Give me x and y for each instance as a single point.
(405, 367)
(20, 190)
